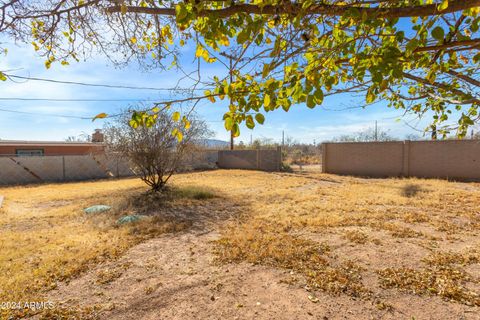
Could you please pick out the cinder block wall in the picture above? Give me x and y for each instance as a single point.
(455, 159)
(25, 170)
(266, 160)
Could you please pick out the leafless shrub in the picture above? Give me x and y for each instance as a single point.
(410, 190)
(154, 151)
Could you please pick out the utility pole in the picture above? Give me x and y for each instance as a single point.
(231, 102)
(376, 131)
(283, 138)
(230, 71)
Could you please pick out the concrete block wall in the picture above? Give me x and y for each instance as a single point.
(25, 170)
(266, 160)
(206, 159)
(453, 159)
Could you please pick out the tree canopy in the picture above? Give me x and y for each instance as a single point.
(421, 56)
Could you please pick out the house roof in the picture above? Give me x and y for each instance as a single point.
(26, 143)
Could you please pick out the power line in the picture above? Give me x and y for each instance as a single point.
(10, 76)
(74, 100)
(46, 114)
(69, 116)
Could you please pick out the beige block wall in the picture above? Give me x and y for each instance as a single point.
(455, 159)
(267, 160)
(25, 170)
(376, 159)
(11, 173)
(237, 159)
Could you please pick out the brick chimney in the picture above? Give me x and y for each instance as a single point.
(97, 136)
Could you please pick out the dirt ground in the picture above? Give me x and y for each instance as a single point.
(174, 277)
(179, 275)
(301, 245)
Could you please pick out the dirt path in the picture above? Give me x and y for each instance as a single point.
(175, 277)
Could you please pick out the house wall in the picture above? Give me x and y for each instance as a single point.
(53, 150)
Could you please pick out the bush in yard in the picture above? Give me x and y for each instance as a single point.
(157, 149)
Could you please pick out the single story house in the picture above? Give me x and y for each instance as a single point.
(52, 148)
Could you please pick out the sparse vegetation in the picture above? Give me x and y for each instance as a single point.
(46, 238)
(265, 244)
(444, 281)
(410, 190)
(356, 236)
(335, 235)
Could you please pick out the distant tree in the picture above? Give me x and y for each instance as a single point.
(83, 137)
(413, 137)
(263, 143)
(154, 151)
(71, 139)
(365, 135)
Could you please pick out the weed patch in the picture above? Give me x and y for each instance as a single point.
(446, 282)
(356, 236)
(264, 245)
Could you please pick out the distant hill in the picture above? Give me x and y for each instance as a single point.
(214, 143)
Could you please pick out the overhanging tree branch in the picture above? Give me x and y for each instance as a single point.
(444, 87)
(464, 77)
(463, 43)
(317, 9)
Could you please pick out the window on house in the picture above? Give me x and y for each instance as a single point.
(29, 152)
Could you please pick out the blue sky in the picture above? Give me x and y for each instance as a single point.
(303, 124)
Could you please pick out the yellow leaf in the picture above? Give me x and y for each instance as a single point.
(224, 41)
(176, 116)
(35, 46)
(266, 100)
(133, 40)
(133, 124)
(100, 116)
(212, 99)
(199, 52)
(443, 5)
(179, 136)
(123, 8)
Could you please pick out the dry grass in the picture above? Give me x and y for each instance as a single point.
(298, 222)
(46, 237)
(445, 281)
(398, 210)
(356, 236)
(465, 257)
(270, 245)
